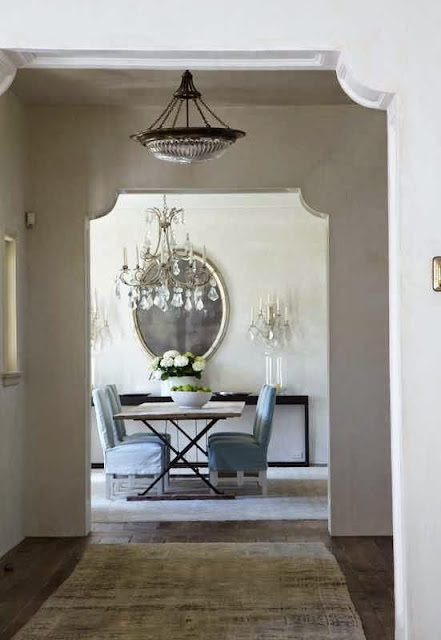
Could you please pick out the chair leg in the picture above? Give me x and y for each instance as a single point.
(214, 479)
(160, 486)
(131, 482)
(165, 461)
(240, 478)
(109, 480)
(263, 481)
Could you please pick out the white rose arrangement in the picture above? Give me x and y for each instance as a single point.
(173, 364)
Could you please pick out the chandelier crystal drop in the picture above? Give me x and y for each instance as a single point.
(167, 275)
(171, 137)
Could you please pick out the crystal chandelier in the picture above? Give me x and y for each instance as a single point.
(168, 139)
(270, 329)
(166, 274)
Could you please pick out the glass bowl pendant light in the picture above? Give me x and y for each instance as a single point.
(171, 137)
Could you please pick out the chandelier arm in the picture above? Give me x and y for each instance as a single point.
(178, 111)
(174, 212)
(159, 122)
(156, 212)
(213, 114)
(201, 112)
(185, 285)
(167, 242)
(163, 122)
(126, 278)
(176, 282)
(153, 261)
(195, 280)
(153, 281)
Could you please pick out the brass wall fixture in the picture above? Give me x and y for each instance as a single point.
(436, 273)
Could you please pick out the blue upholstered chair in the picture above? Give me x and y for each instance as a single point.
(244, 453)
(128, 465)
(120, 432)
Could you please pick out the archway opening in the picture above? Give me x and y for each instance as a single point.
(339, 160)
(241, 233)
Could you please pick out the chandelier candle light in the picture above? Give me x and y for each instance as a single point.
(269, 329)
(169, 275)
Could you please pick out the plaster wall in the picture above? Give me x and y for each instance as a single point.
(261, 243)
(80, 156)
(12, 398)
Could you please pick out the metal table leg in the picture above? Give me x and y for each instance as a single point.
(180, 455)
(181, 430)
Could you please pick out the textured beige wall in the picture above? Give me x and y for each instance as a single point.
(12, 399)
(81, 155)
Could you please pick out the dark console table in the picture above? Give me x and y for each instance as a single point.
(137, 398)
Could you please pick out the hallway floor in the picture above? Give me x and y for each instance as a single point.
(36, 567)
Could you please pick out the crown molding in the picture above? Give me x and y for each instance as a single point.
(360, 93)
(7, 71)
(314, 59)
(75, 59)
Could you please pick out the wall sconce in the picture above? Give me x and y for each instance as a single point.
(436, 273)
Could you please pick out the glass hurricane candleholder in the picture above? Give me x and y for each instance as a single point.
(275, 371)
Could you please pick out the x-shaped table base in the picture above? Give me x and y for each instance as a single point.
(180, 455)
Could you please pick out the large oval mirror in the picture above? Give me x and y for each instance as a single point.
(200, 332)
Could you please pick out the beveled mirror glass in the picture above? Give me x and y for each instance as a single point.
(200, 332)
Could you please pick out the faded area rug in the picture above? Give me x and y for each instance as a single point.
(186, 591)
(293, 494)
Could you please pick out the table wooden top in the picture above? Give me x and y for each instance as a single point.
(171, 411)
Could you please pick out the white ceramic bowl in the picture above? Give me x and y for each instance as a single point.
(191, 399)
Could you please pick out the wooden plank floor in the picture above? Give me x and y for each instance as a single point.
(36, 567)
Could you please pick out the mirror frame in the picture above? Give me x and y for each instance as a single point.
(220, 283)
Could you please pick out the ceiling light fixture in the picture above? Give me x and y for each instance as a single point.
(167, 140)
(166, 273)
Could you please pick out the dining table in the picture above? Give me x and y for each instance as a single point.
(149, 413)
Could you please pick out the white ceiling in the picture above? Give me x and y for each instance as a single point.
(154, 88)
